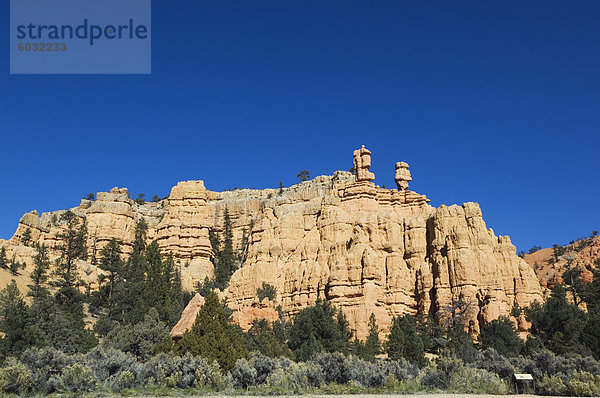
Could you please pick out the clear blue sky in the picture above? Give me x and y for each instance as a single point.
(493, 102)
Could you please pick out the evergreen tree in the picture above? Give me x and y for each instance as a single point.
(111, 262)
(304, 175)
(213, 337)
(575, 285)
(267, 291)
(67, 319)
(558, 324)
(3, 259)
(72, 248)
(225, 261)
(318, 328)
(280, 191)
(262, 338)
(404, 342)
(204, 288)
(26, 238)
(501, 335)
(139, 240)
(40, 273)
(372, 344)
(14, 266)
(15, 322)
(431, 334)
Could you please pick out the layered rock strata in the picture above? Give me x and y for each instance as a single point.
(365, 248)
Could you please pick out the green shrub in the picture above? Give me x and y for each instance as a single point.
(335, 367)
(46, 365)
(267, 291)
(244, 374)
(121, 381)
(15, 378)
(477, 381)
(584, 384)
(107, 362)
(402, 369)
(77, 378)
(210, 376)
(440, 375)
(492, 361)
(551, 385)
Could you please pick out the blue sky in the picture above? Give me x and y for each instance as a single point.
(492, 102)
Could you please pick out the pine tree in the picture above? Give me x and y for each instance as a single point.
(213, 337)
(304, 175)
(139, 240)
(72, 248)
(404, 342)
(262, 338)
(318, 328)
(372, 344)
(280, 192)
(26, 238)
(68, 321)
(14, 266)
(40, 273)
(111, 262)
(15, 324)
(225, 259)
(3, 259)
(501, 335)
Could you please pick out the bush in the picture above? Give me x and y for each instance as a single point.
(492, 361)
(267, 291)
(335, 367)
(439, 375)
(263, 365)
(210, 376)
(244, 374)
(367, 374)
(121, 381)
(476, 381)
(584, 384)
(401, 369)
(139, 339)
(15, 378)
(551, 385)
(77, 378)
(168, 371)
(46, 365)
(107, 362)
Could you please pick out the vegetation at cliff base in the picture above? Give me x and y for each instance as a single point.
(48, 344)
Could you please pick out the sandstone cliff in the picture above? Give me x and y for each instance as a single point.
(341, 237)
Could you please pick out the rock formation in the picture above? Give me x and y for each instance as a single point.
(402, 176)
(581, 254)
(362, 164)
(188, 317)
(343, 238)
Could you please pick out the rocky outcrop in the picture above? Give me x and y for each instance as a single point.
(367, 249)
(582, 254)
(183, 231)
(386, 252)
(188, 317)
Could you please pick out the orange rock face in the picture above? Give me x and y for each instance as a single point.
(188, 317)
(581, 255)
(365, 248)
